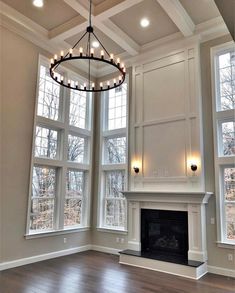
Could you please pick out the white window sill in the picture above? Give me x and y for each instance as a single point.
(54, 233)
(226, 245)
(111, 230)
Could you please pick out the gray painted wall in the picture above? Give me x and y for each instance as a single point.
(19, 63)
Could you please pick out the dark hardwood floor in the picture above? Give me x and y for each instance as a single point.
(94, 272)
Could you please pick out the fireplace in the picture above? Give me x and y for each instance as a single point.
(164, 234)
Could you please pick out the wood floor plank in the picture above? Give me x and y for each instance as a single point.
(94, 272)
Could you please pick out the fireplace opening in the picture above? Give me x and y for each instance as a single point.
(164, 234)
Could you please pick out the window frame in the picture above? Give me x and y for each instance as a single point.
(221, 161)
(106, 167)
(61, 162)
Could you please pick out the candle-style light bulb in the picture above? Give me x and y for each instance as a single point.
(92, 52)
(93, 85)
(123, 65)
(69, 82)
(52, 61)
(124, 70)
(55, 57)
(120, 78)
(62, 79)
(81, 51)
(84, 85)
(71, 52)
(76, 84)
(62, 54)
(102, 53)
(111, 57)
(108, 83)
(114, 81)
(118, 61)
(101, 85)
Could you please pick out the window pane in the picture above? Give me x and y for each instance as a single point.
(117, 107)
(43, 194)
(73, 198)
(48, 95)
(230, 221)
(115, 150)
(77, 110)
(228, 133)
(115, 202)
(46, 142)
(42, 214)
(227, 81)
(44, 181)
(229, 184)
(76, 149)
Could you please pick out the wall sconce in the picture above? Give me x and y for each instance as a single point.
(194, 167)
(136, 169)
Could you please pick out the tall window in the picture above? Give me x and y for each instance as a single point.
(59, 193)
(114, 158)
(224, 133)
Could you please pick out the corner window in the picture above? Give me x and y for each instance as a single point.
(224, 135)
(113, 158)
(59, 193)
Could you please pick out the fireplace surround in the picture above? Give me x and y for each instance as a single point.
(193, 204)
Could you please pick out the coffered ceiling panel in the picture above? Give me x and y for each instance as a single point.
(160, 24)
(200, 10)
(110, 45)
(52, 14)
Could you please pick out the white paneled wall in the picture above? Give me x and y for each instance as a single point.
(166, 122)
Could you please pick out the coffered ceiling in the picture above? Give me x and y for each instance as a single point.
(59, 23)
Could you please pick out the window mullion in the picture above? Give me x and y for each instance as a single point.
(64, 149)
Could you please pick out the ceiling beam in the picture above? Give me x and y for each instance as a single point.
(179, 16)
(107, 26)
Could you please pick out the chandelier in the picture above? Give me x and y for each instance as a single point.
(89, 55)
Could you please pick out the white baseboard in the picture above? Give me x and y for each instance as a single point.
(221, 271)
(105, 249)
(37, 258)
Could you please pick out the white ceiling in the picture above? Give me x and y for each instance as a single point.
(60, 23)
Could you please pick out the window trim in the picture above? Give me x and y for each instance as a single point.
(103, 167)
(220, 161)
(63, 127)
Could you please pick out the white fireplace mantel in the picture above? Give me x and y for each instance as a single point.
(168, 196)
(192, 202)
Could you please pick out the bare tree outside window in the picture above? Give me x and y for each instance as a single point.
(116, 150)
(228, 132)
(227, 81)
(76, 149)
(115, 202)
(43, 197)
(48, 95)
(73, 198)
(46, 142)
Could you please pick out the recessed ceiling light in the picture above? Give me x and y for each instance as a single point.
(144, 22)
(95, 44)
(38, 3)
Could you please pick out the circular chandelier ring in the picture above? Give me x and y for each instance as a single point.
(101, 89)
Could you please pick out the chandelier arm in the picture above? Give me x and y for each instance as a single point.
(101, 44)
(72, 48)
(77, 42)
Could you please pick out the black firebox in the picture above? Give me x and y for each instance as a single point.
(164, 234)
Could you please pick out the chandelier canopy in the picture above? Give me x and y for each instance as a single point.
(89, 55)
